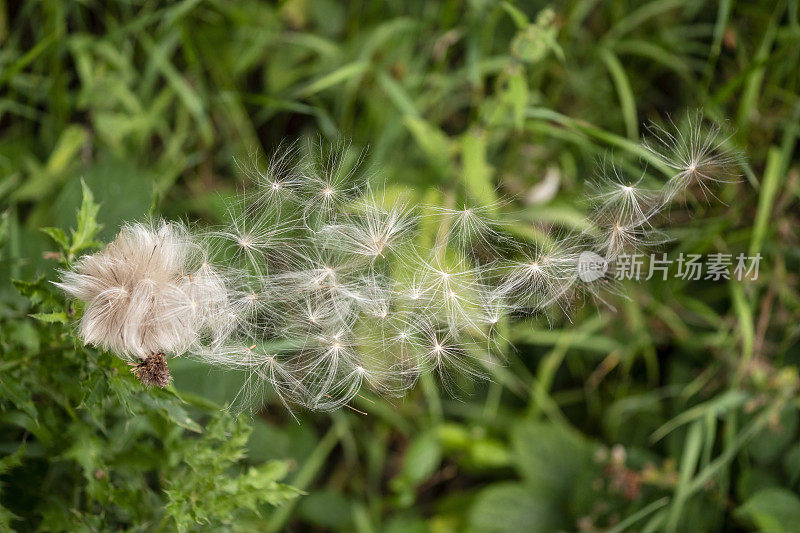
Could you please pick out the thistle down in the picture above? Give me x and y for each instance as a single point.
(311, 256)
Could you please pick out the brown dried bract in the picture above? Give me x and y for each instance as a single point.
(152, 370)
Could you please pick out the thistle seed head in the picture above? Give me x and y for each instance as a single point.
(319, 286)
(141, 296)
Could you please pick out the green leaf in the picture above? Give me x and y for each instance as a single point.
(422, 458)
(39, 292)
(45, 179)
(477, 171)
(83, 236)
(513, 507)
(12, 460)
(55, 317)
(15, 392)
(69, 144)
(627, 100)
(327, 509)
(5, 224)
(772, 510)
(775, 438)
(203, 492)
(59, 236)
(517, 15)
(791, 464)
(718, 406)
(434, 143)
(691, 454)
(548, 455)
(488, 453)
(171, 405)
(397, 94)
(453, 437)
(770, 186)
(8, 463)
(534, 41)
(516, 95)
(333, 78)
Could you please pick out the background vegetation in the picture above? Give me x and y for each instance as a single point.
(676, 412)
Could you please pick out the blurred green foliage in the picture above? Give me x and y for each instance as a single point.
(676, 412)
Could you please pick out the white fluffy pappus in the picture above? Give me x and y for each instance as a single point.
(142, 297)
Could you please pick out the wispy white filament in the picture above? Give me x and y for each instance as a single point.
(319, 286)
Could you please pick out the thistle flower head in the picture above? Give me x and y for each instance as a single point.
(140, 298)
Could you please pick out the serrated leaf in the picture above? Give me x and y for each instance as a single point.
(87, 229)
(58, 235)
(6, 464)
(14, 392)
(172, 408)
(207, 460)
(39, 291)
